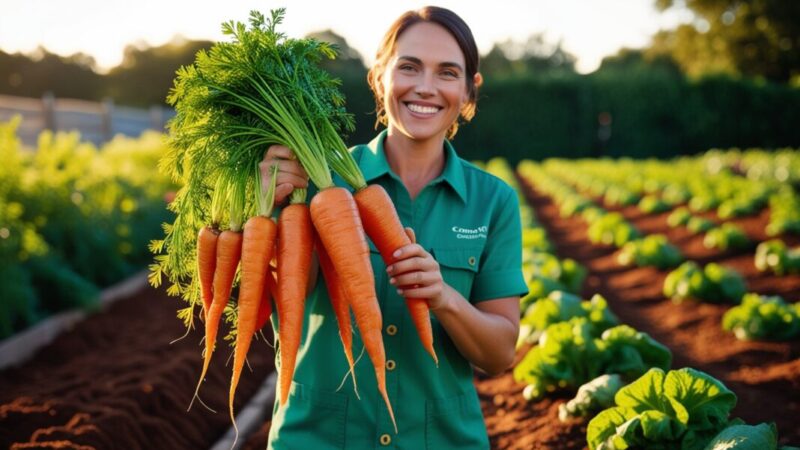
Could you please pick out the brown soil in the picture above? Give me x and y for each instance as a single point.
(116, 382)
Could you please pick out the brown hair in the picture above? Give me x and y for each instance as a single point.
(460, 31)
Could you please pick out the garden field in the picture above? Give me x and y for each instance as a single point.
(632, 265)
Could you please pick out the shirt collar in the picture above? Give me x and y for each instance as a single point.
(373, 165)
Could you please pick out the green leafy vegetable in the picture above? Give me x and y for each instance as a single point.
(561, 306)
(763, 317)
(713, 283)
(726, 236)
(652, 250)
(568, 355)
(593, 396)
(682, 409)
(773, 255)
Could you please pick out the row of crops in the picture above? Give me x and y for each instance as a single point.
(73, 219)
(620, 376)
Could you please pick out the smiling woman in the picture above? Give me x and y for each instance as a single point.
(463, 261)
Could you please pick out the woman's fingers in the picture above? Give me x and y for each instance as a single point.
(290, 174)
(282, 191)
(279, 152)
(417, 278)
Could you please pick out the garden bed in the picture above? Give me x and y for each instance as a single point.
(116, 382)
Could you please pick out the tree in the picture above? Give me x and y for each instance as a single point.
(532, 57)
(146, 73)
(753, 38)
(33, 75)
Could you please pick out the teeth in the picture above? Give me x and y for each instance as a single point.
(422, 109)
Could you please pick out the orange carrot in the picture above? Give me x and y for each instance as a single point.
(336, 219)
(206, 262)
(265, 308)
(295, 241)
(340, 306)
(383, 226)
(229, 250)
(258, 244)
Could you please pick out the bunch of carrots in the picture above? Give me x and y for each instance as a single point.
(231, 104)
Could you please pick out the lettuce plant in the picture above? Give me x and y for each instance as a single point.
(681, 409)
(568, 356)
(713, 283)
(651, 204)
(612, 229)
(763, 317)
(652, 250)
(679, 217)
(726, 236)
(561, 306)
(774, 256)
(595, 395)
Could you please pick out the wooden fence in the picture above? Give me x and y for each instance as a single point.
(97, 122)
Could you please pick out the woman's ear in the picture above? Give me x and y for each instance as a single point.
(477, 80)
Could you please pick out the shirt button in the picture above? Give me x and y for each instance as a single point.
(391, 330)
(471, 261)
(390, 364)
(386, 439)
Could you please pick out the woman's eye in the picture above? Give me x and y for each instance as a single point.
(407, 67)
(449, 74)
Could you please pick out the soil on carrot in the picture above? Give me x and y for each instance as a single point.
(765, 376)
(116, 382)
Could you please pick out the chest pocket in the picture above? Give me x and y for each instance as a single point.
(459, 266)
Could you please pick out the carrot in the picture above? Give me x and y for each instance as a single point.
(257, 247)
(295, 242)
(336, 219)
(265, 308)
(229, 250)
(383, 226)
(206, 262)
(340, 306)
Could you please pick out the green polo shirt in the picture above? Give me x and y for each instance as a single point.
(469, 221)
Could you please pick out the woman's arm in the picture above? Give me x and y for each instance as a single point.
(485, 333)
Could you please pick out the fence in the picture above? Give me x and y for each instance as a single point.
(97, 122)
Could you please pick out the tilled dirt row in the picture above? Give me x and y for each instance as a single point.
(116, 382)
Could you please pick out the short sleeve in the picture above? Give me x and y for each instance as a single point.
(500, 273)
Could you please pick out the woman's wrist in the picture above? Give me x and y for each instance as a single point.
(443, 302)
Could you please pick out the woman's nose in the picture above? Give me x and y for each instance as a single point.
(425, 85)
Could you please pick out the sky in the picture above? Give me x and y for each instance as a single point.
(589, 29)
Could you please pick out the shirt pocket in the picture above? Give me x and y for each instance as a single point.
(310, 419)
(455, 422)
(458, 266)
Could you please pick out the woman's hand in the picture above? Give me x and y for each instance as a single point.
(291, 174)
(416, 274)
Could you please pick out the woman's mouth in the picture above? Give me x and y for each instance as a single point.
(422, 109)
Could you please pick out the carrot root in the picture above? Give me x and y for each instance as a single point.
(336, 219)
(383, 226)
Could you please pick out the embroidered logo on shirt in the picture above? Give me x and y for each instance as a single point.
(470, 233)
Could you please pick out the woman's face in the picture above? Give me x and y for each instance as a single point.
(424, 85)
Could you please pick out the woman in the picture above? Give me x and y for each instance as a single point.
(466, 262)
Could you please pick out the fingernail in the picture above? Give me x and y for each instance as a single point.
(396, 253)
(391, 280)
(400, 292)
(389, 269)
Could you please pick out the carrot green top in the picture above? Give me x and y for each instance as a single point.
(469, 220)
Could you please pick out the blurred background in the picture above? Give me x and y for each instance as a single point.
(584, 78)
(675, 115)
